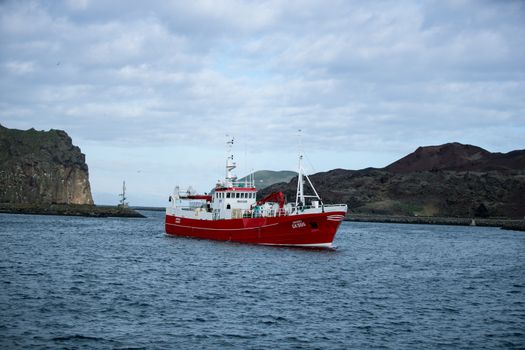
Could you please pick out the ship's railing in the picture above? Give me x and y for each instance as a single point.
(264, 213)
(191, 205)
(335, 205)
(260, 212)
(289, 210)
(304, 208)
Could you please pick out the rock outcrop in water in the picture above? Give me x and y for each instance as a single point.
(42, 167)
(451, 180)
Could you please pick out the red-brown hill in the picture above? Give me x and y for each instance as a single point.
(458, 157)
(447, 180)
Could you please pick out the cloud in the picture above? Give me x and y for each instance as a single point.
(17, 67)
(77, 5)
(381, 77)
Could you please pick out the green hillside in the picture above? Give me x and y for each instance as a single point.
(265, 178)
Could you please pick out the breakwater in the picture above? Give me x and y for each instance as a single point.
(509, 224)
(70, 210)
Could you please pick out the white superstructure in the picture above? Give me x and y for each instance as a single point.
(232, 199)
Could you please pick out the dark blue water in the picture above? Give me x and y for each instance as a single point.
(80, 283)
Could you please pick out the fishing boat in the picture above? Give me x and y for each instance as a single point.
(232, 212)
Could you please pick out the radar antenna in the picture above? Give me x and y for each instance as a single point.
(230, 164)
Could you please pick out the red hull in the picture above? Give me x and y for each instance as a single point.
(316, 230)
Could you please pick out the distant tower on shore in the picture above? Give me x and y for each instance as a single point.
(123, 198)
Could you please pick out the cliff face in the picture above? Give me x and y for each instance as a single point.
(447, 180)
(40, 167)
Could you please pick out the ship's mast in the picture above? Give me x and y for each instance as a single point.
(230, 164)
(299, 197)
(123, 195)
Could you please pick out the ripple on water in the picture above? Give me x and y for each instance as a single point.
(123, 284)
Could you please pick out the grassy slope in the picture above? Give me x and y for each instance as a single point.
(265, 178)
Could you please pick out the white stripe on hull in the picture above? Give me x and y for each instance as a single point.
(335, 217)
(313, 245)
(222, 229)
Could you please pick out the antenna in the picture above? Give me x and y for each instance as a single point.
(123, 195)
(230, 164)
(299, 197)
(300, 136)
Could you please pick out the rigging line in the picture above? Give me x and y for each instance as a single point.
(246, 171)
(246, 163)
(310, 163)
(301, 152)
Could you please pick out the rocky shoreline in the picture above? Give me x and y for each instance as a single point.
(87, 210)
(504, 223)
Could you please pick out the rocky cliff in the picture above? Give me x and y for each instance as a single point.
(42, 167)
(451, 180)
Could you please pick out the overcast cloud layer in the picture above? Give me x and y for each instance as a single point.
(149, 89)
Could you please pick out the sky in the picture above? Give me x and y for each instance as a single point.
(149, 89)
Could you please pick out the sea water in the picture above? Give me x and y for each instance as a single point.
(84, 283)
